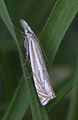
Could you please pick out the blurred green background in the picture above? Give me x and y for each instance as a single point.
(36, 13)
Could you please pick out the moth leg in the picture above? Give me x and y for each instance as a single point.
(24, 64)
(26, 46)
(27, 61)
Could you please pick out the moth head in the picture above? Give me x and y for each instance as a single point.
(26, 27)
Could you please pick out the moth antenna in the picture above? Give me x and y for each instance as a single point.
(19, 31)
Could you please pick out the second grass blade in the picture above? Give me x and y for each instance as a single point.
(38, 113)
(60, 19)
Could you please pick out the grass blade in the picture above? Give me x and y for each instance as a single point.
(72, 114)
(73, 108)
(35, 107)
(70, 83)
(7, 75)
(61, 93)
(57, 24)
(19, 103)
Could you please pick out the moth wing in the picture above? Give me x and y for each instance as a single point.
(40, 74)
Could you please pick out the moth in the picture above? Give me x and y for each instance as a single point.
(39, 71)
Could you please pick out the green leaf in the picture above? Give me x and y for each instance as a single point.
(72, 111)
(4, 15)
(61, 93)
(7, 75)
(19, 103)
(69, 85)
(60, 19)
(38, 112)
(73, 108)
